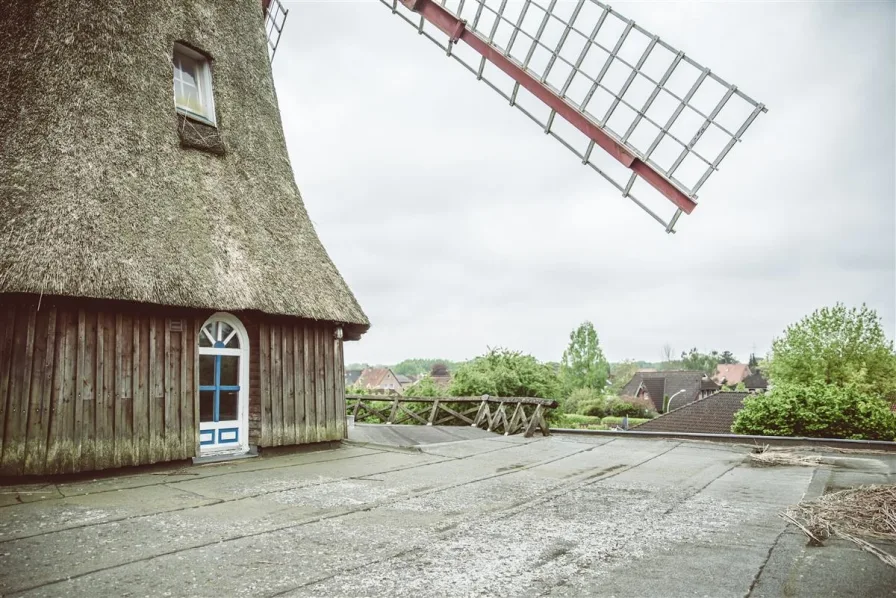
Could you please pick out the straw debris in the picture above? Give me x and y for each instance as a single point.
(853, 514)
(772, 458)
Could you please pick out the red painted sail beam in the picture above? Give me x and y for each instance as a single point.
(456, 30)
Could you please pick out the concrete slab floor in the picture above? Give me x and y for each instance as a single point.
(558, 516)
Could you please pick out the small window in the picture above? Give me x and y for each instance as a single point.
(193, 85)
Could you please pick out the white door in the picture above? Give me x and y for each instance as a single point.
(223, 386)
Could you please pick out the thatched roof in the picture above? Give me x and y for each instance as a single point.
(99, 199)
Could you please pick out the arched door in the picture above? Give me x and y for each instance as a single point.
(223, 386)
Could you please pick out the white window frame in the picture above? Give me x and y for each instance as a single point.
(203, 80)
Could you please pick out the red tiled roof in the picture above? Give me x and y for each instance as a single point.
(372, 377)
(732, 373)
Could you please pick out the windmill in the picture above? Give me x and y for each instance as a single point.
(152, 230)
(645, 116)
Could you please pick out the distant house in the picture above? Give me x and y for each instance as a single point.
(351, 377)
(405, 381)
(681, 386)
(710, 415)
(379, 379)
(731, 374)
(756, 382)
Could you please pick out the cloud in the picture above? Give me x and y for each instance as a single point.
(458, 224)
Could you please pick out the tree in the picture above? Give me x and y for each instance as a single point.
(620, 374)
(583, 364)
(425, 387)
(667, 352)
(705, 362)
(817, 410)
(416, 367)
(753, 363)
(505, 373)
(727, 357)
(838, 346)
(439, 369)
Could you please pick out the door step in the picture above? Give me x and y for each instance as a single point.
(253, 452)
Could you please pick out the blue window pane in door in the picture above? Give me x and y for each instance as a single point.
(206, 370)
(229, 406)
(230, 370)
(206, 406)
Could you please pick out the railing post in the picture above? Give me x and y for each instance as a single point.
(432, 414)
(483, 408)
(394, 411)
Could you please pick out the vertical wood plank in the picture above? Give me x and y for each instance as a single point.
(287, 380)
(69, 391)
(127, 385)
(320, 409)
(172, 392)
(330, 383)
(87, 382)
(79, 430)
(156, 390)
(13, 459)
(341, 407)
(264, 354)
(299, 383)
(110, 402)
(187, 348)
(276, 387)
(7, 325)
(56, 436)
(308, 372)
(117, 458)
(101, 452)
(41, 390)
(138, 383)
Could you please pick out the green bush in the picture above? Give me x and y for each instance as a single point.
(578, 398)
(617, 421)
(597, 408)
(631, 407)
(817, 410)
(503, 373)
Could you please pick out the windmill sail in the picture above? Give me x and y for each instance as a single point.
(274, 19)
(588, 76)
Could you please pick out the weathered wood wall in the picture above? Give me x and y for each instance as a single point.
(301, 383)
(88, 385)
(84, 388)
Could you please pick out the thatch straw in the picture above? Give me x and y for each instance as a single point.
(97, 196)
(868, 511)
(772, 458)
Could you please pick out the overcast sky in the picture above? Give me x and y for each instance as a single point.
(459, 225)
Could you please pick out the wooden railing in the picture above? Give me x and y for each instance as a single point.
(527, 415)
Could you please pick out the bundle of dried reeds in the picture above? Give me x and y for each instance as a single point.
(867, 511)
(771, 458)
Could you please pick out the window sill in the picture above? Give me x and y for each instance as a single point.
(199, 134)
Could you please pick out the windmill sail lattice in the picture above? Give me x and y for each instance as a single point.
(274, 19)
(662, 123)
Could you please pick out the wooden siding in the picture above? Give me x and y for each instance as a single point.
(300, 384)
(89, 384)
(85, 388)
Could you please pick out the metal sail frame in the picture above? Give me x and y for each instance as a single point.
(656, 112)
(274, 19)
